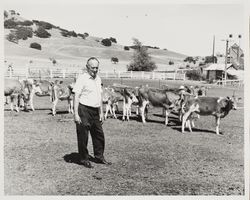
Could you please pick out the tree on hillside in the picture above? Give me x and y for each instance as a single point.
(141, 61)
(114, 60)
(210, 59)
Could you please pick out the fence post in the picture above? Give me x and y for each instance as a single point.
(175, 74)
(142, 74)
(27, 72)
(153, 75)
(51, 74)
(39, 74)
(184, 76)
(10, 73)
(63, 73)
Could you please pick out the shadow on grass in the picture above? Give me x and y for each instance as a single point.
(62, 112)
(197, 130)
(75, 158)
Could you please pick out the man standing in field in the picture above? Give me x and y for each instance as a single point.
(88, 113)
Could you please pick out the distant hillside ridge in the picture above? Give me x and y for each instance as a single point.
(37, 42)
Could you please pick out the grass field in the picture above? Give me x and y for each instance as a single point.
(40, 154)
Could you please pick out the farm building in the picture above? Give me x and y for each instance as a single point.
(216, 72)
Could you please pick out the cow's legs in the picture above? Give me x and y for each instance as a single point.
(108, 108)
(31, 100)
(54, 103)
(137, 110)
(70, 102)
(163, 112)
(142, 110)
(11, 102)
(166, 116)
(184, 121)
(6, 100)
(113, 109)
(123, 110)
(217, 119)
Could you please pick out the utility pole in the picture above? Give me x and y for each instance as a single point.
(238, 52)
(213, 49)
(225, 70)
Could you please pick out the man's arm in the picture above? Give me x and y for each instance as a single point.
(101, 111)
(76, 105)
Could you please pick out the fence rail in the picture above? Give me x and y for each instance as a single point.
(71, 73)
(232, 83)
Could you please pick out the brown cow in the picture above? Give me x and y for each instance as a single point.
(17, 90)
(215, 106)
(166, 98)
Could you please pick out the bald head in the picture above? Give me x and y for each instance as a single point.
(93, 62)
(92, 66)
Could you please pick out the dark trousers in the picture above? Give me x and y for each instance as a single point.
(90, 123)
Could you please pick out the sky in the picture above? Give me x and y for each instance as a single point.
(183, 28)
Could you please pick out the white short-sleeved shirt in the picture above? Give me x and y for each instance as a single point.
(89, 89)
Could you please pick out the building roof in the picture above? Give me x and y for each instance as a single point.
(220, 66)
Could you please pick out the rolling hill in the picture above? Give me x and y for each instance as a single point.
(72, 50)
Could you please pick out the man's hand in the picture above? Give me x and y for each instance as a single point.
(77, 119)
(101, 117)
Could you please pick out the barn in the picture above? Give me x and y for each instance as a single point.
(216, 71)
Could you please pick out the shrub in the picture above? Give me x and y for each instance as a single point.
(210, 59)
(43, 24)
(10, 24)
(171, 62)
(65, 33)
(72, 33)
(12, 38)
(189, 59)
(35, 45)
(194, 75)
(86, 35)
(106, 42)
(24, 33)
(42, 33)
(141, 61)
(81, 35)
(126, 48)
(5, 14)
(114, 60)
(112, 40)
(25, 23)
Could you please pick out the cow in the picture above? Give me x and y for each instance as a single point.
(218, 107)
(196, 90)
(55, 90)
(62, 92)
(111, 99)
(165, 98)
(40, 88)
(129, 98)
(112, 95)
(17, 90)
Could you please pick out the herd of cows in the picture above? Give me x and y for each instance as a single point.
(188, 101)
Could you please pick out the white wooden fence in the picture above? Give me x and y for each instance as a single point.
(230, 83)
(73, 72)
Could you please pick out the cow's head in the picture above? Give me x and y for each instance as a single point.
(233, 101)
(37, 87)
(131, 95)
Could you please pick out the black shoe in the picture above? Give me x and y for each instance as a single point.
(86, 163)
(102, 161)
